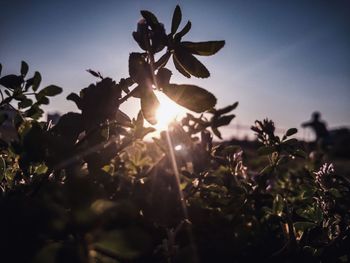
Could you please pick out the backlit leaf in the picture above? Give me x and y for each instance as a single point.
(149, 106)
(50, 91)
(190, 96)
(203, 48)
(192, 65)
(176, 20)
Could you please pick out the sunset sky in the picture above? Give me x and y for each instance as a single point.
(282, 59)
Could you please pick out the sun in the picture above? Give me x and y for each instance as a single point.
(167, 111)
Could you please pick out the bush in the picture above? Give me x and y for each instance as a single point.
(89, 189)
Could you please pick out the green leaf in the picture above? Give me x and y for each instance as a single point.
(277, 206)
(180, 68)
(2, 168)
(150, 17)
(36, 81)
(41, 169)
(149, 106)
(203, 48)
(50, 91)
(24, 68)
(192, 65)
(183, 32)
(291, 132)
(177, 16)
(191, 97)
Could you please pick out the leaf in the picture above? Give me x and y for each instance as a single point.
(203, 48)
(291, 132)
(162, 61)
(192, 65)
(265, 150)
(25, 103)
(2, 168)
(41, 169)
(224, 120)
(163, 77)
(36, 81)
(34, 112)
(139, 69)
(93, 73)
(216, 132)
(149, 106)
(183, 32)
(226, 109)
(191, 97)
(180, 68)
(75, 98)
(50, 91)
(11, 81)
(277, 206)
(24, 68)
(177, 16)
(150, 17)
(302, 226)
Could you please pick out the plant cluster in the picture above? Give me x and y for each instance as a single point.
(89, 189)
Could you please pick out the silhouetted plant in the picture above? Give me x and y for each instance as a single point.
(89, 189)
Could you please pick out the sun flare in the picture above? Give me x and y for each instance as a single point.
(167, 112)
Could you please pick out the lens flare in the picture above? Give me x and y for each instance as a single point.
(167, 112)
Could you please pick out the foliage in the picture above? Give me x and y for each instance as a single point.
(89, 189)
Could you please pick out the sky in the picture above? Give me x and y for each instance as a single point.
(282, 59)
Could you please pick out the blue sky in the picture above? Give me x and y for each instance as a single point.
(282, 59)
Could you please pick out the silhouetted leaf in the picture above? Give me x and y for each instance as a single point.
(183, 32)
(180, 68)
(11, 81)
(224, 120)
(150, 17)
(216, 132)
(163, 77)
(291, 132)
(34, 112)
(36, 81)
(191, 97)
(75, 98)
(25, 103)
(139, 69)
(162, 60)
(122, 118)
(176, 19)
(24, 68)
(226, 109)
(50, 91)
(203, 48)
(189, 63)
(94, 73)
(149, 106)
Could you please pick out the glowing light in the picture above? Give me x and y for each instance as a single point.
(167, 112)
(178, 147)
